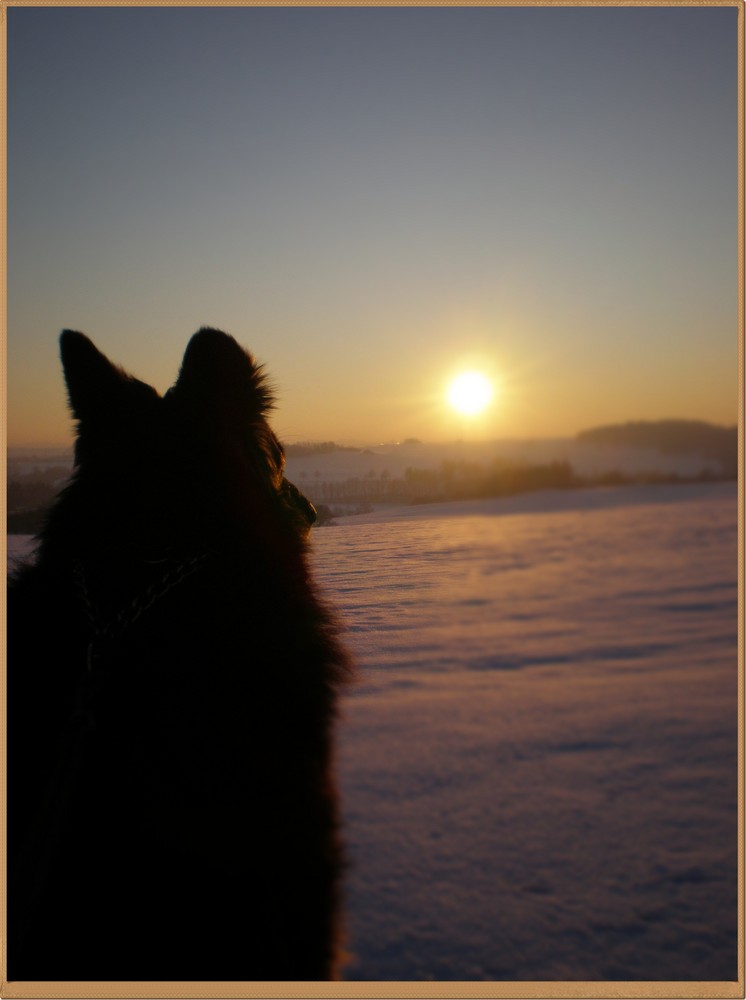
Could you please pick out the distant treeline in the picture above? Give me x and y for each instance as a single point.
(303, 448)
(457, 480)
(673, 437)
(30, 495)
(469, 481)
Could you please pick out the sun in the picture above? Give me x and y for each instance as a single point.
(470, 392)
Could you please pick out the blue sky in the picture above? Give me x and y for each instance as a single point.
(371, 199)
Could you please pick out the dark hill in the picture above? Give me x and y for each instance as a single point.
(686, 437)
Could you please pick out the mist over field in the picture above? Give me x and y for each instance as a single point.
(539, 757)
(414, 471)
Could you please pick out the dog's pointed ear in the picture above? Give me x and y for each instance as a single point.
(90, 377)
(217, 372)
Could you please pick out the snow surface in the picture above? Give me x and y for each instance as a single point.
(539, 758)
(539, 761)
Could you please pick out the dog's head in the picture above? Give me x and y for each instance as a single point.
(200, 460)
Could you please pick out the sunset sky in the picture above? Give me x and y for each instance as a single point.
(374, 199)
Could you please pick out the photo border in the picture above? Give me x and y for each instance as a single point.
(394, 989)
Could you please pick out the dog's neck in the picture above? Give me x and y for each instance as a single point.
(105, 625)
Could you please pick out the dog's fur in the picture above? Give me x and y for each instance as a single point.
(172, 679)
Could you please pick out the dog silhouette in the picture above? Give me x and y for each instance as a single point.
(172, 687)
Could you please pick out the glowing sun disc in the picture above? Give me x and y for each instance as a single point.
(469, 393)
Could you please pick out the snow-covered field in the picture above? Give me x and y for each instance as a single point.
(539, 762)
(539, 759)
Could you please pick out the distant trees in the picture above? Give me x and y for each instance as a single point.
(468, 480)
(305, 448)
(673, 437)
(371, 488)
(30, 494)
(508, 479)
(452, 480)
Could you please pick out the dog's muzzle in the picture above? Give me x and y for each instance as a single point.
(299, 503)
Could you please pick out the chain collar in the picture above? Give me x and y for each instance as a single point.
(103, 629)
